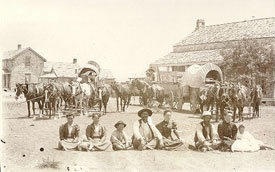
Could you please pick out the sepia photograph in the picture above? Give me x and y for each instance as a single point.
(137, 85)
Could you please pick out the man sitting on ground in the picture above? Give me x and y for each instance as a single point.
(146, 135)
(69, 134)
(205, 135)
(119, 139)
(227, 131)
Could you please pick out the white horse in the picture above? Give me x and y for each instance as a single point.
(81, 93)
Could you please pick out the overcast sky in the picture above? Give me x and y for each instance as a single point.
(122, 35)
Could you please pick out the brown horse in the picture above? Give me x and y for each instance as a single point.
(240, 96)
(66, 94)
(123, 91)
(207, 97)
(256, 98)
(143, 87)
(104, 93)
(33, 93)
(53, 97)
(222, 100)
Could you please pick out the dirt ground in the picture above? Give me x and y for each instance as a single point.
(24, 139)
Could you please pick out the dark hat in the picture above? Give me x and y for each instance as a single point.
(69, 115)
(145, 110)
(120, 122)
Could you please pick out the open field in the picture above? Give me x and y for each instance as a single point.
(24, 139)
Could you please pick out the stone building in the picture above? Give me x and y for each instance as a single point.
(23, 65)
(205, 43)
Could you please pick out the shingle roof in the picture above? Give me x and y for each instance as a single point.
(257, 28)
(106, 74)
(61, 69)
(14, 53)
(189, 57)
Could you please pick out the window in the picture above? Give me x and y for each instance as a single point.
(27, 61)
(27, 77)
(178, 68)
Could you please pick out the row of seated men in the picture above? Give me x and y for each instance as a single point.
(148, 136)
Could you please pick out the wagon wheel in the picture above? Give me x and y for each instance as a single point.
(193, 107)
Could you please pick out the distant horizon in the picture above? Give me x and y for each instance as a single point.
(122, 36)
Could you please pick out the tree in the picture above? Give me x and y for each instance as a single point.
(251, 61)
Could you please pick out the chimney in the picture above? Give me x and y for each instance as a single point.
(200, 24)
(18, 46)
(74, 60)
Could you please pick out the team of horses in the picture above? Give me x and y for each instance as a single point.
(231, 96)
(52, 96)
(84, 96)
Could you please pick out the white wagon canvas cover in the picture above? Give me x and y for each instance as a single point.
(196, 76)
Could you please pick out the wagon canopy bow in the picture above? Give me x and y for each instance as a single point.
(87, 68)
(195, 76)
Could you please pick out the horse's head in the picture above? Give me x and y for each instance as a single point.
(76, 89)
(20, 88)
(233, 92)
(48, 91)
(223, 94)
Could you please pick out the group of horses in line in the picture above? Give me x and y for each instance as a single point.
(84, 96)
(233, 97)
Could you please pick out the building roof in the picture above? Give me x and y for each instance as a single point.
(49, 76)
(257, 28)
(106, 74)
(190, 57)
(14, 53)
(61, 69)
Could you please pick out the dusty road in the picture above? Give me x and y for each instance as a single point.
(28, 142)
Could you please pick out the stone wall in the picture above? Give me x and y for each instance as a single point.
(18, 69)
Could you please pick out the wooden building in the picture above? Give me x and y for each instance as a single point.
(205, 43)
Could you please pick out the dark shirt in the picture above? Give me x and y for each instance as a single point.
(64, 132)
(90, 131)
(227, 130)
(165, 128)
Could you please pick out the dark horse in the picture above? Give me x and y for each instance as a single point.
(104, 93)
(143, 87)
(240, 96)
(33, 93)
(123, 92)
(53, 97)
(222, 100)
(207, 97)
(66, 94)
(256, 97)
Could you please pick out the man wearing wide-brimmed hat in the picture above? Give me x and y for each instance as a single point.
(227, 131)
(205, 135)
(119, 138)
(146, 135)
(69, 134)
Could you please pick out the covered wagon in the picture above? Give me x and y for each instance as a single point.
(89, 72)
(193, 79)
